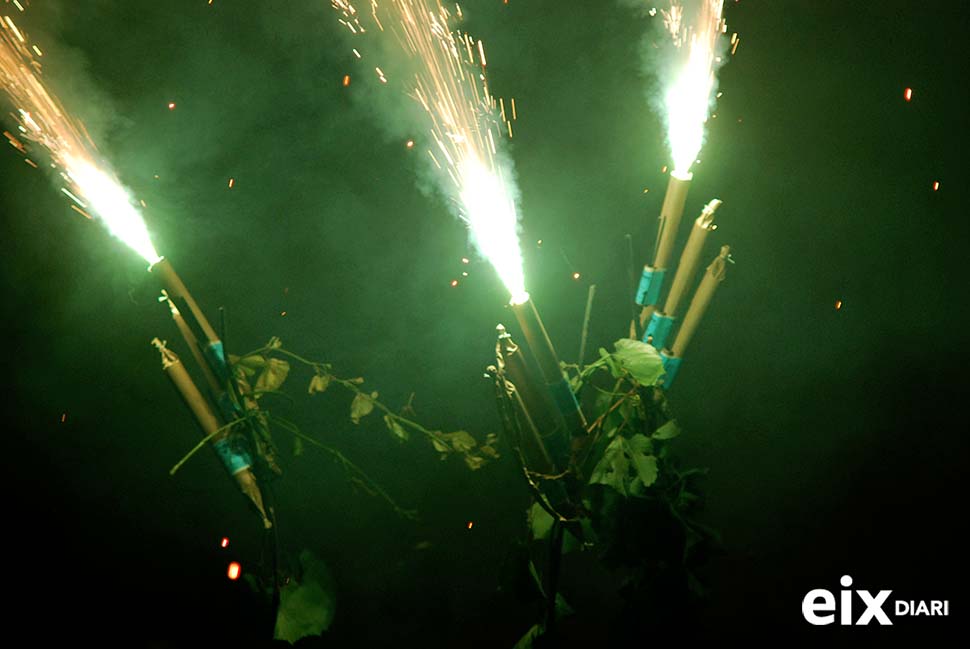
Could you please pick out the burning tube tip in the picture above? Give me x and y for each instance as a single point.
(519, 298)
(685, 176)
(152, 265)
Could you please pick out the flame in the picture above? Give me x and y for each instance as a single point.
(44, 121)
(688, 97)
(464, 120)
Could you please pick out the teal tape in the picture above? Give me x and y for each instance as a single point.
(658, 330)
(671, 366)
(233, 454)
(650, 284)
(215, 354)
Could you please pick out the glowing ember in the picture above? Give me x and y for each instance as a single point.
(688, 95)
(232, 181)
(470, 524)
(454, 282)
(575, 275)
(838, 305)
(63, 417)
(44, 122)
(234, 570)
(936, 186)
(346, 80)
(410, 144)
(908, 94)
(224, 543)
(171, 105)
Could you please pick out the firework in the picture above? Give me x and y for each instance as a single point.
(235, 458)
(698, 306)
(42, 120)
(688, 93)
(661, 322)
(548, 362)
(466, 123)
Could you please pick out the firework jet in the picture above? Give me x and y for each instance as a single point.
(464, 120)
(689, 89)
(42, 120)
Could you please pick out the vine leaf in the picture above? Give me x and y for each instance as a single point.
(646, 467)
(319, 383)
(273, 375)
(362, 405)
(439, 445)
(540, 522)
(639, 359)
(396, 428)
(667, 431)
(248, 365)
(460, 441)
(613, 467)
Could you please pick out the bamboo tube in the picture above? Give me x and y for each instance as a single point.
(690, 258)
(237, 464)
(702, 299)
(176, 289)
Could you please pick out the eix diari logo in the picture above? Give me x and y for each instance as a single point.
(819, 606)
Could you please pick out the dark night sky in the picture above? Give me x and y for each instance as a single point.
(833, 437)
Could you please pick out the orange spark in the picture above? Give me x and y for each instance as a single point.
(908, 94)
(470, 523)
(233, 571)
(454, 282)
(224, 543)
(232, 181)
(936, 186)
(346, 81)
(575, 275)
(171, 105)
(838, 305)
(63, 417)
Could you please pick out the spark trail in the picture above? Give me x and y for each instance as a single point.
(689, 90)
(465, 121)
(43, 121)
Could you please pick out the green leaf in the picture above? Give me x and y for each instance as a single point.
(667, 431)
(361, 406)
(613, 467)
(640, 444)
(439, 444)
(639, 359)
(607, 358)
(646, 468)
(540, 522)
(274, 373)
(319, 383)
(474, 462)
(306, 606)
(527, 641)
(460, 440)
(396, 428)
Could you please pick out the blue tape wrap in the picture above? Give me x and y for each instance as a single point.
(659, 327)
(233, 454)
(651, 282)
(671, 365)
(217, 361)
